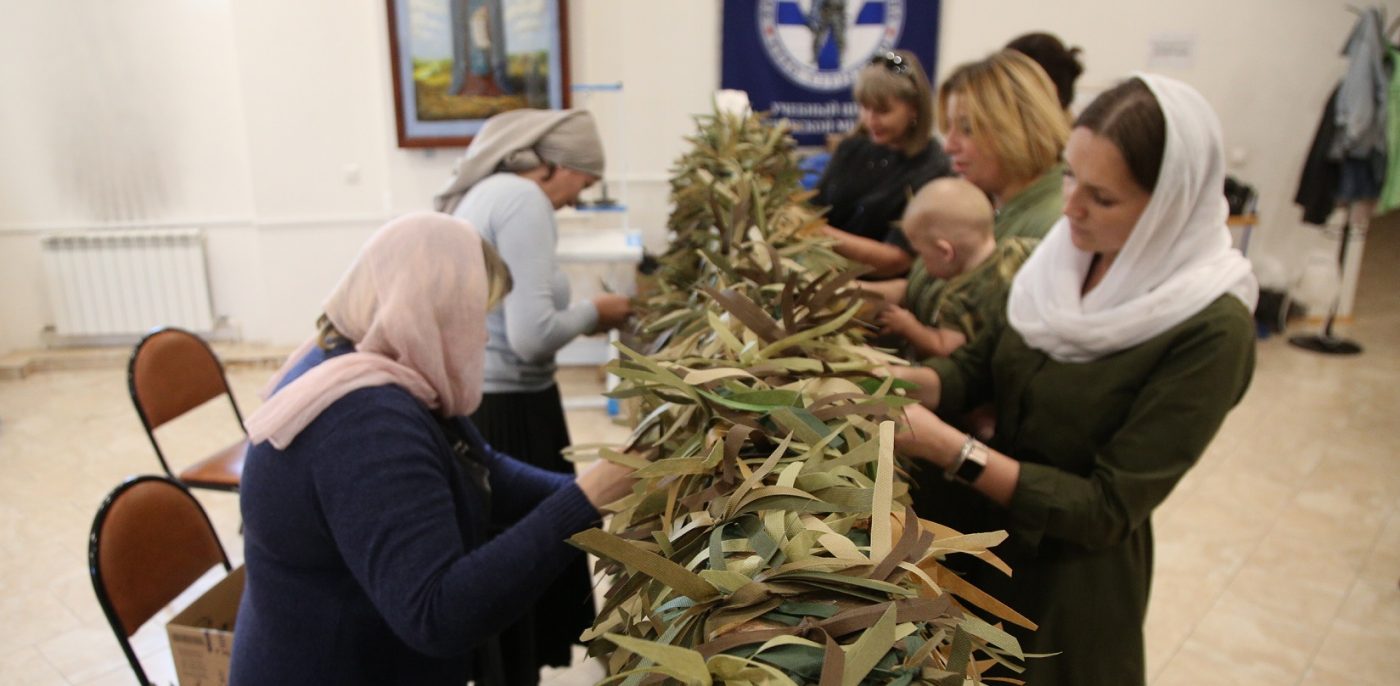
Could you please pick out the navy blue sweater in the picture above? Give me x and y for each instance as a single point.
(365, 552)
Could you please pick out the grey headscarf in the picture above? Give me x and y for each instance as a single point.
(520, 140)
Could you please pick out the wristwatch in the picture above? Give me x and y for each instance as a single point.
(971, 461)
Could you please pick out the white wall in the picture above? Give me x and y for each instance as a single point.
(270, 123)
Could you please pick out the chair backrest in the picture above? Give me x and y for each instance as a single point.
(171, 372)
(150, 541)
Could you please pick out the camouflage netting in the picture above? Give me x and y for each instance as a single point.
(767, 540)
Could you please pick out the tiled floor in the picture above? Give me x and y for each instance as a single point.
(1277, 557)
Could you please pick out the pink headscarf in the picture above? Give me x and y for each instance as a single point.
(414, 303)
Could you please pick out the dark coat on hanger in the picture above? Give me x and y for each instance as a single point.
(1317, 190)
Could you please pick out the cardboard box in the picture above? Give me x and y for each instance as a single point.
(201, 636)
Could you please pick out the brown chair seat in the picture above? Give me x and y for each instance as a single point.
(221, 471)
(173, 371)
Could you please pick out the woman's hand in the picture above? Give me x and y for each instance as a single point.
(605, 482)
(613, 310)
(929, 389)
(885, 259)
(926, 437)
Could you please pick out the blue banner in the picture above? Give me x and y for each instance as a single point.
(798, 58)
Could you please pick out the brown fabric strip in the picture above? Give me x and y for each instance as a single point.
(733, 441)
(828, 290)
(902, 550)
(749, 314)
(788, 304)
(833, 663)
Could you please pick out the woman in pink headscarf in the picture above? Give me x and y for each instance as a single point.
(367, 496)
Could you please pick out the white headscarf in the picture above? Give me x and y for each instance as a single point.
(414, 302)
(1177, 260)
(520, 140)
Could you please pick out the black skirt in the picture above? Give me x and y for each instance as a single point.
(530, 427)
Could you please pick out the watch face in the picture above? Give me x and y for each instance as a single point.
(972, 467)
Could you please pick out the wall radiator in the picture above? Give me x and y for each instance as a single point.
(120, 283)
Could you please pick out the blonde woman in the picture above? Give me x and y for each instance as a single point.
(1004, 129)
(889, 156)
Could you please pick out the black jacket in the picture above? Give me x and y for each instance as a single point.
(867, 186)
(1317, 189)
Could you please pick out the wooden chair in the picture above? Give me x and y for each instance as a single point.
(171, 372)
(150, 541)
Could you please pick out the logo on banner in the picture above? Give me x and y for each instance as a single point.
(821, 44)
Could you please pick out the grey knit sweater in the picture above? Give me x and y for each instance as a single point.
(536, 319)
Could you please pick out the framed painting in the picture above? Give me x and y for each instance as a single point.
(456, 63)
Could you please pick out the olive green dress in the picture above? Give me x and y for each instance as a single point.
(1101, 444)
(1032, 212)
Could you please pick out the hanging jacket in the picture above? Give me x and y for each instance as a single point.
(1317, 189)
(1361, 111)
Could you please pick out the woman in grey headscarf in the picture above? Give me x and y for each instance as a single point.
(520, 168)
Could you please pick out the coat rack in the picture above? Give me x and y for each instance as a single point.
(1327, 342)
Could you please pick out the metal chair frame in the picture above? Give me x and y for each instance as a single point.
(96, 571)
(187, 476)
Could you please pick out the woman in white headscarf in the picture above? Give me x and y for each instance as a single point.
(521, 167)
(1128, 338)
(368, 498)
